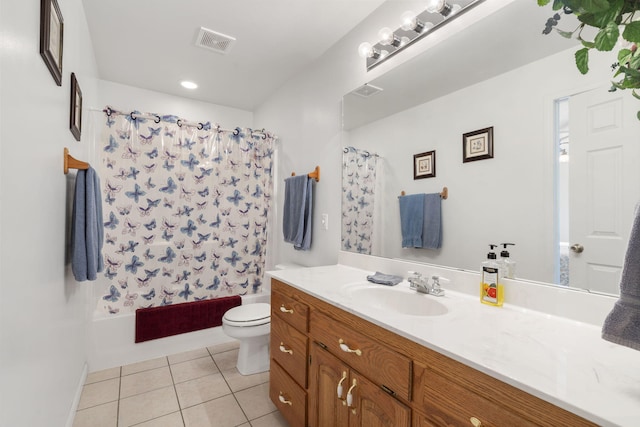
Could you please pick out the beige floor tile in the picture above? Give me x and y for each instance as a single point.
(274, 419)
(221, 412)
(171, 420)
(255, 401)
(227, 360)
(147, 406)
(144, 381)
(188, 355)
(201, 389)
(192, 369)
(221, 348)
(105, 415)
(144, 366)
(105, 374)
(238, 382)
(99, 393)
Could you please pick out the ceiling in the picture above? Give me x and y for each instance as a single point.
(150, 44)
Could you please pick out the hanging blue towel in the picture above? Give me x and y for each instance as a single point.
(432, 228)
(622, 325)
(412, 220)
(296, 217)
(87, 232)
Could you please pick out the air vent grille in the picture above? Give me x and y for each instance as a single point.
(214, 41)
(366, 90)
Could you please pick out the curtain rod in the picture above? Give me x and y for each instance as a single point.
(180, 122)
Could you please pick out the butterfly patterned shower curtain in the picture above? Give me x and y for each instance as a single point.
(359, 182)
(185, 208)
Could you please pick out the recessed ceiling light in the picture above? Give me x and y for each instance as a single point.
(188, 85)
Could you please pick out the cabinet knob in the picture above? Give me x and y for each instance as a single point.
(285, 349)
(285, 310)
(282, 399)
(344, 347)
(340, 390)
(475, 422)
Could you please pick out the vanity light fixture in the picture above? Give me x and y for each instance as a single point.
(413, 28)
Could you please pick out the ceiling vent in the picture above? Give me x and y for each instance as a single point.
(366, 90)
(215, 41)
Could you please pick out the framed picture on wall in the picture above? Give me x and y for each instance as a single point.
(477, 145)
(75, 116)
(51, 32)
(424, 165)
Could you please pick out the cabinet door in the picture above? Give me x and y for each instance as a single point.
(373, 407)
(326, 408)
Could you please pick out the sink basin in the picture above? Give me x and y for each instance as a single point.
(401, 301)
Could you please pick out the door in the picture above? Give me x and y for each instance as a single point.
(604, 185)
(341, 397)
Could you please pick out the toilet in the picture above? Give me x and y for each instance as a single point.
(250, 324)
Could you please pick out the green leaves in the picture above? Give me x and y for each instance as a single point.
(607, 37)
(582, 60)
(632, 32)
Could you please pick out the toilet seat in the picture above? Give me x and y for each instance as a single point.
(248, 315)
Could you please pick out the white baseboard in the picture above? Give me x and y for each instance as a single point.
(76, 400)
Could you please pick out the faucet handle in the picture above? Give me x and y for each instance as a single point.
(435, 286)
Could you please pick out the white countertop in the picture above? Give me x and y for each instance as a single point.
(562, 361)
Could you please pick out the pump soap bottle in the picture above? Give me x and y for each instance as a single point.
(491, 288)
(508, 265)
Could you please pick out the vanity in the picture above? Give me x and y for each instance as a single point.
(340, 356)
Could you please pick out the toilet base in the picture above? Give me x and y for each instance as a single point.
(253, 356)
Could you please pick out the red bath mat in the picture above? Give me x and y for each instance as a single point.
(158, 322)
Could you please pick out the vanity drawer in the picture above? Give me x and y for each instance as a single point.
(292, 311)
(289, 348)
(289, 397)
(377, 362)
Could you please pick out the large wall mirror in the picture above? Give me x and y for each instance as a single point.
(564, 172)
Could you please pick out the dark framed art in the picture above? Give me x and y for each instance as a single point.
(477, 145)
(51, 32)
(424, 165)
(75, 115)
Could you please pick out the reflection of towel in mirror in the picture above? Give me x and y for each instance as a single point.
(432, 228)
(412, 220)
(622, 325)
(296, 216)
(86, 227)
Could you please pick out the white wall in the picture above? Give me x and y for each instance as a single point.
(43, 310)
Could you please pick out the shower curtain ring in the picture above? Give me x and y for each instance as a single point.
(200, 126)
(108, 111)
(179, 123)
(132, 116)
(236, 131)
(157, 119)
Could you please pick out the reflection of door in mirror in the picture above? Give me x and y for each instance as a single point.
(595, 212)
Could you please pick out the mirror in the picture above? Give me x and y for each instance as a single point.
(500, 72)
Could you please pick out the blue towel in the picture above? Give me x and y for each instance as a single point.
(296, 217)
(622, 325)
(384, 279)
(412, 220)
(87, 232)
(432, 228)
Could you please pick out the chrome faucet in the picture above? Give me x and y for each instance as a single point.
(421, 284)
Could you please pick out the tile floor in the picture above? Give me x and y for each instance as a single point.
(192, 389)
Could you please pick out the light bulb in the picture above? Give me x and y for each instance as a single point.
(408, 20)
(188, 85)
(365, 49)
(435, 6)
(386, 36)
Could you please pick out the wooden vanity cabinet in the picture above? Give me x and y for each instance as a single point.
(399, 383)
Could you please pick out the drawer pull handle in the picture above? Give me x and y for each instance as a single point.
(285, 310)
(350, 397)
(282, 399)
(340, 389)
(346, 348)
(285, 349)
(475, 422)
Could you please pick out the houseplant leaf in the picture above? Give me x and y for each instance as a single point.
(582, 60)
(607, 37)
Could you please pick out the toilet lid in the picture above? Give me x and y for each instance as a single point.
(248, 315)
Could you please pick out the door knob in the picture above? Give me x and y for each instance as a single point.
(577, 248)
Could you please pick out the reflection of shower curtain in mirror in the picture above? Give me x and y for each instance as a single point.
(359, 172)
(185, 211)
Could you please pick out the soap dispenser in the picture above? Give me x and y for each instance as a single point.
(491, 288)
(508, 265)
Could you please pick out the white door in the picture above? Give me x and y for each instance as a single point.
(604, 173)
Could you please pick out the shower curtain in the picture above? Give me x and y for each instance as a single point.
(185, 208)
(359, 171)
